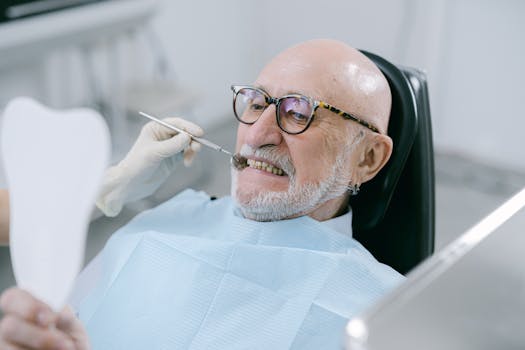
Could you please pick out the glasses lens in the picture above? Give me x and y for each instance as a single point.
(249, 105)
(294, 113)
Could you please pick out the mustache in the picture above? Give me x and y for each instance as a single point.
(272, 154)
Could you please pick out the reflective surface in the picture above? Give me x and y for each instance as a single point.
(455, 301)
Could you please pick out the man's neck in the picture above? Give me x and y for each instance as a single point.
(331, 209)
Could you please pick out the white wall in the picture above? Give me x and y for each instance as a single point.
(473, 52)
(481, 94)
(210, 45)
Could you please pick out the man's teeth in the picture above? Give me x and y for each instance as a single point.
(265, 166)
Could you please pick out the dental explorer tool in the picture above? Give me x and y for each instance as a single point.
(236, 160)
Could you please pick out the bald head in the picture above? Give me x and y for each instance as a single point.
(338, 74)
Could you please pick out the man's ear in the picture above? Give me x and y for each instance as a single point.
(374, 156)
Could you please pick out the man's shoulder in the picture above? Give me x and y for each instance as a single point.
(376, 271)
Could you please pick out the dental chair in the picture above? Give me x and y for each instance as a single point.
(393, 214)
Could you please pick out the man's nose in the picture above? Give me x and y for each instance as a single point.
(265, 130)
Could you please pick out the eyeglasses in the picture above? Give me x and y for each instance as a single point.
(294, 114)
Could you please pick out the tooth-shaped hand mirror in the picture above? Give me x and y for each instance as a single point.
(54, 161)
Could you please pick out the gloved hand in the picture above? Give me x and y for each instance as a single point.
(148, 164)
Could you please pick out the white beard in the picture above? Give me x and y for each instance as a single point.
(298, 199)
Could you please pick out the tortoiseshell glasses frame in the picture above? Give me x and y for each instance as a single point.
(294, 112)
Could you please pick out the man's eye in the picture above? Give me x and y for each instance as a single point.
(256, 107)
(298, 117)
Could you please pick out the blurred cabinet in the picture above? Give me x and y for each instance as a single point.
(35, 56)
(30, 38)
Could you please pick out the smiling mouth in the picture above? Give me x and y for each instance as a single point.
(260, 165)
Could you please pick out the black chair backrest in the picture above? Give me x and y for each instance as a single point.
(393, 214)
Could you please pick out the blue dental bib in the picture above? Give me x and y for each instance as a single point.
(190, 274)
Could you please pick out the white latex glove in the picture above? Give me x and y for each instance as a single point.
(148, 164)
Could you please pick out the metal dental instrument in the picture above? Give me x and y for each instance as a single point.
(236, 160)
(194, 138)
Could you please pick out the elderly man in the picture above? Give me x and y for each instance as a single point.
(274, 266)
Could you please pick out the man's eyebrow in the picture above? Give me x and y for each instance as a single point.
(290, 92)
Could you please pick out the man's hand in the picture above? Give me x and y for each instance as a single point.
(30, 324)
(148, 164)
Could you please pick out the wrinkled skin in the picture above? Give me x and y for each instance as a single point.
(335, 73)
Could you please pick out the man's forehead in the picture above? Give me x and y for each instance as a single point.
(292, 66)
(332, 72)
(294, 77)
(319, 80)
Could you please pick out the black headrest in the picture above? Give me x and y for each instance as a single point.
(370, 205)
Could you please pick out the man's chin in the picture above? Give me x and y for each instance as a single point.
(253, 197)
(250, 193)
(263, 214)
(268, 203)
(267, 206)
